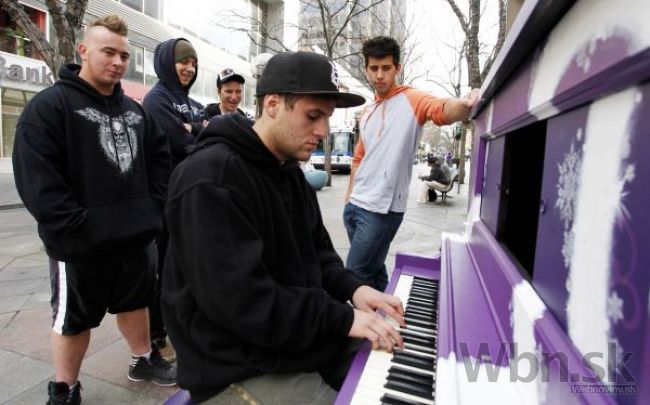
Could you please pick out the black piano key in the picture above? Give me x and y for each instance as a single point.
(429, 343)
(425, 290)
(417, 284)
(421, 329)
(420, 305)
(414, 376)
(409, 388)
(420, 348)
(420, 341)
(417, 339)
(388, 399)
(410, 359)
(426, 280)
(422, 312)
(422, 301)
(427, 295)
(418, 322)
(415, 315)
(422, 295)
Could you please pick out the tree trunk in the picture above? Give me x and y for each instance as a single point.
(18, 15)
(65, 23)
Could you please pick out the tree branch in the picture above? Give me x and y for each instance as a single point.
(19, 16)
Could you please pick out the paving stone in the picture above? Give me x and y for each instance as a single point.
(19, 373)
(94, 391)
(12, 303)
(110, 363)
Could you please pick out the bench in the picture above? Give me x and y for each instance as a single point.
(450, 186)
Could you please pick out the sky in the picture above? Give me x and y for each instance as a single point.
(436, 32)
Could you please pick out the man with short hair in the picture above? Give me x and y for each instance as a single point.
(229, 89)
(389, 131)
(255, 297)
(438, 179)
(92, 169)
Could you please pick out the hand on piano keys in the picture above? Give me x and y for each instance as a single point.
(372, 326)
(408, 375)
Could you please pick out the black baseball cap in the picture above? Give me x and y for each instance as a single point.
(228, 75)
(305, 73)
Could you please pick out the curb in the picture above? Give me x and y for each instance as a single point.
(11, 206)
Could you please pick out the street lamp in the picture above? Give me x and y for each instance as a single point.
(259, 63)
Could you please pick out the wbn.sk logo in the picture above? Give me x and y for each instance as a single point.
(532, 364)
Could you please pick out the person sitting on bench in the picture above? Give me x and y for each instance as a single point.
(438, 179)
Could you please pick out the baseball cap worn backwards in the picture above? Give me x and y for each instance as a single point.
(228, 75)
(305, 73)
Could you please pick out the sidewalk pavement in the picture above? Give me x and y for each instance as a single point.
(25, 314)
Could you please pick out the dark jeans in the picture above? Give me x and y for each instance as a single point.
(156, 323)
(370, 236)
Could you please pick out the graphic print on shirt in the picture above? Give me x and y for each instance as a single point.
(116, 136)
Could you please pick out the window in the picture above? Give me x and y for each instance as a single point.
(14, 40)
(223, 24)
(153, 8)
(13, 102)
(196, 91)
(135, 73)
(137, 5)
(150, 77)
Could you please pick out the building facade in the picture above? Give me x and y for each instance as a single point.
(224, 34)
(355, 21)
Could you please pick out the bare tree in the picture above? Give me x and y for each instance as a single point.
(67, 20)
(473, 49)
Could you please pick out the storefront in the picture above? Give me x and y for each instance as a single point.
(20, 79)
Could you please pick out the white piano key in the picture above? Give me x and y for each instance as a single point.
(371, 388)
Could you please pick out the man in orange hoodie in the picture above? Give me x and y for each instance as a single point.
(383, 157)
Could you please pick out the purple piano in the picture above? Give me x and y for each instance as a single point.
(545, 298)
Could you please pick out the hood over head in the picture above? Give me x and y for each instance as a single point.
(164, 63)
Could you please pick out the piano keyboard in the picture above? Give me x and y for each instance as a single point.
(408, 376)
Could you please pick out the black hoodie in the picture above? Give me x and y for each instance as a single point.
(252, 282)
(170, 105)
(91, 169)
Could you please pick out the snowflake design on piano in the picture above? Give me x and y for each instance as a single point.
(615, 307)
(567, 194)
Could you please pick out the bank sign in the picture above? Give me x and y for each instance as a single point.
(23, 73)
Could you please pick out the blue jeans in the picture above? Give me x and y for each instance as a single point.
(370, 236)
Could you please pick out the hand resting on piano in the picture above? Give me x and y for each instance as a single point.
(369, 325)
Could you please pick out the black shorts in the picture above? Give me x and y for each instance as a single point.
(82, 292)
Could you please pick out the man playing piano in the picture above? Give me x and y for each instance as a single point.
(255, 297)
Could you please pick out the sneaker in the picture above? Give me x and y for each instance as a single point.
(60, 394)
(156, 369)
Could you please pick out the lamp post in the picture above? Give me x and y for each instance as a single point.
(257, 68)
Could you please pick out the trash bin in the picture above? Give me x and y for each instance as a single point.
(316, 178)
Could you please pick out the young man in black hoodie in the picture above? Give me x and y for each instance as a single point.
(92, 169)
(255, 297)
(181, 119)
(229, 89)
(179, 116)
